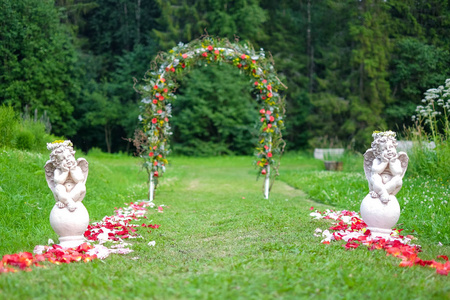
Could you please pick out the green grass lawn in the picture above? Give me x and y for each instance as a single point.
(219, 239)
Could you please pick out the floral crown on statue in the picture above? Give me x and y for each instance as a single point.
(58, 143)
(380, 134)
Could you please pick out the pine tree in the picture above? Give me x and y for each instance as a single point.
(370, 57)
(419, 31)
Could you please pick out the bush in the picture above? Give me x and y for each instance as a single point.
(432, 123)
(37, 129)
(431, 162)
(25, 140)
(8, 125)
(24, 133)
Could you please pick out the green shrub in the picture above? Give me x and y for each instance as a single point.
(8, 125)
(25, 140)
(37, 129)
(431, 162)
(432, 123)
(95, 151)
(24, 133)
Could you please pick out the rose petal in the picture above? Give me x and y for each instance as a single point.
(39, 249)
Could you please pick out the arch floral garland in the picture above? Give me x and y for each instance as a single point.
(158, 91)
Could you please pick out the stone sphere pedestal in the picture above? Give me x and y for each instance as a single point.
(70, 225)
(380, 217)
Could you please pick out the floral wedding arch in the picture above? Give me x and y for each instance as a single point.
(158, 92)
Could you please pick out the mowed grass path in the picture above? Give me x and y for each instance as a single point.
(219, 239)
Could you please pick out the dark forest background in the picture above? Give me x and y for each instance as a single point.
(351, 67)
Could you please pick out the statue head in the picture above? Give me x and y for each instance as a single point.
(384, 144)
(62, 154)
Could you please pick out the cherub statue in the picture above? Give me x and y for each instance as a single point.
(384, 167)
(66, 176)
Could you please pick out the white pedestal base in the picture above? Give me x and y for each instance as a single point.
(70, 226)
(380, 217)
(379, 232)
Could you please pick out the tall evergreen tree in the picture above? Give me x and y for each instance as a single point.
(120, 47)
(184, 20)
(286, 31)
(420, 31)
(351, 87)
(38, 62)
(214, 108)
(370, 57)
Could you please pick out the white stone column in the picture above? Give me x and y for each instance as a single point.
(151, 188)
(267, 179)
(267, 183)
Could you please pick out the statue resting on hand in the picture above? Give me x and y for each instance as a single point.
(66, 176)
(384, 167)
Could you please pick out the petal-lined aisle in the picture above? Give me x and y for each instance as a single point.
(350, 228)
(115, 229)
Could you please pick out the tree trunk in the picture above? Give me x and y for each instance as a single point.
(310, 50)
(361, 64)
(108, 137)
(138, 22)
(127, 33)
(361, 81)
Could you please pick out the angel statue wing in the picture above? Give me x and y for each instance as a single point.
(49, 175)
(369, 157)
(83, 164)
(403, 157)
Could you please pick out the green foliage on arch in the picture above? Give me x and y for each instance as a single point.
(159, 86)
